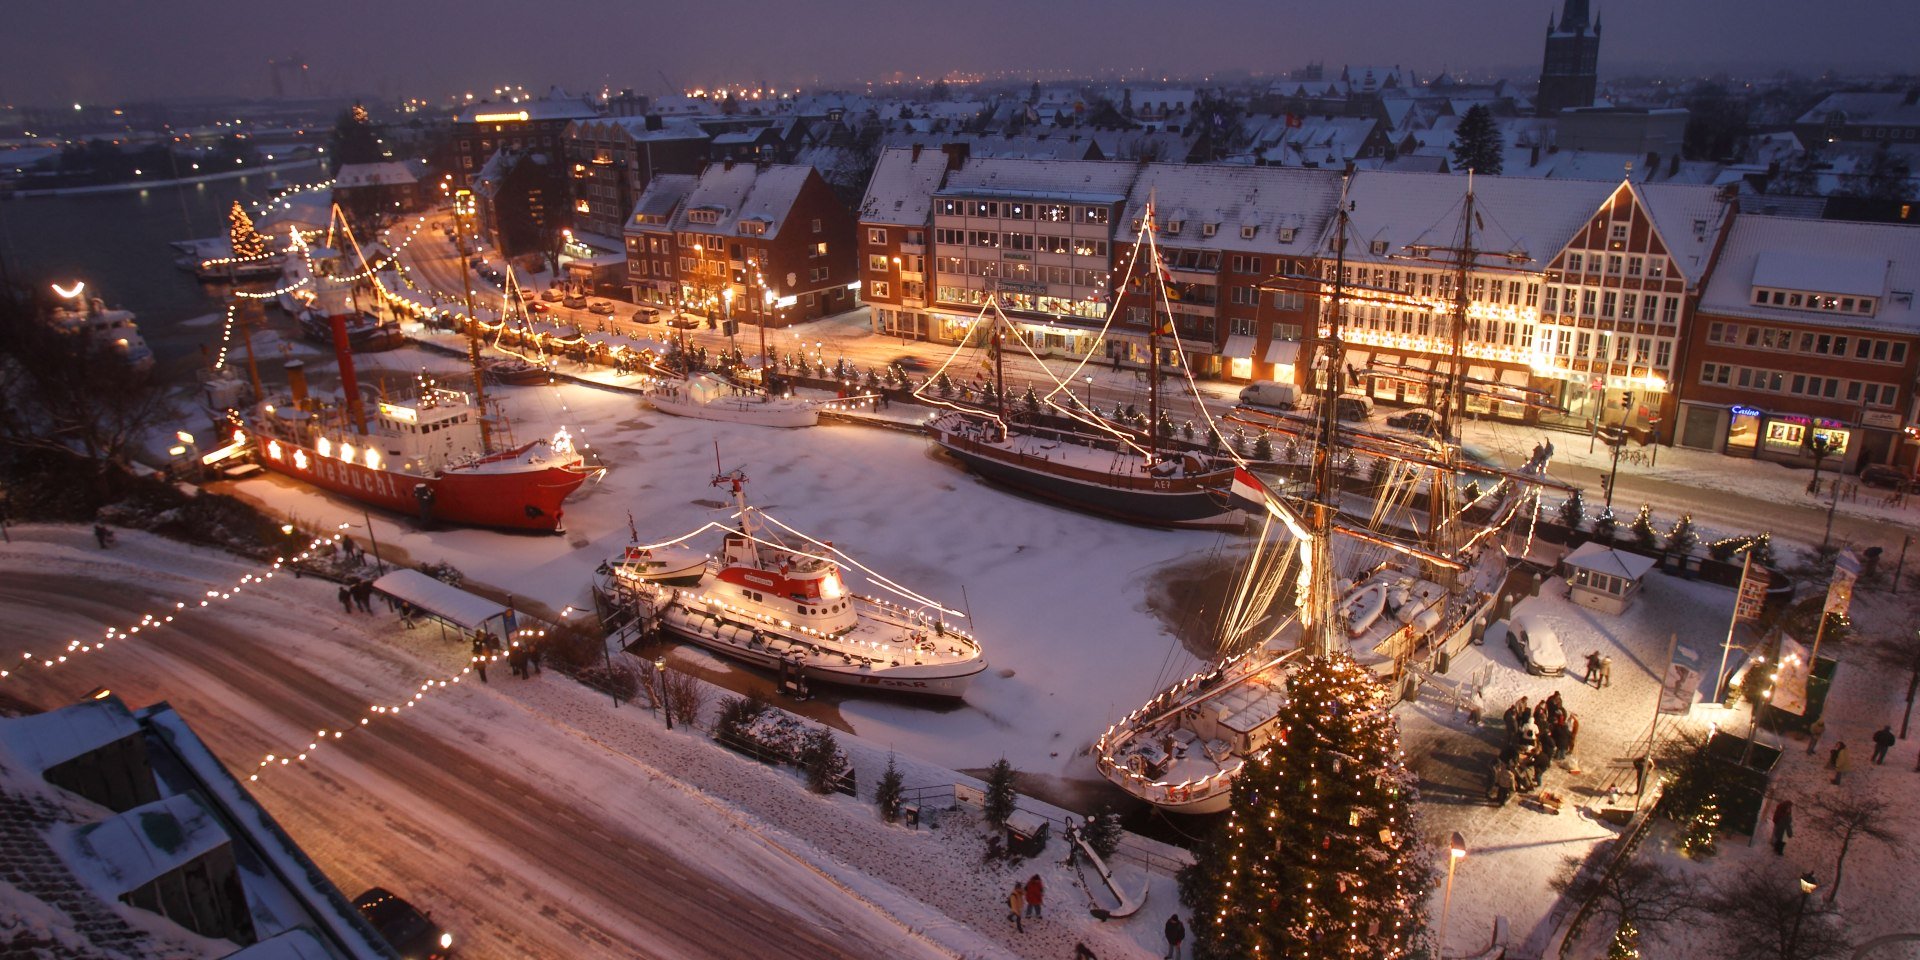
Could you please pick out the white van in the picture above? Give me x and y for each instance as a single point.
(1269, 393)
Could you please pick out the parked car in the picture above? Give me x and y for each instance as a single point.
(1419, 421)
(646, 315)
(911, 364)
(601, 307)
(1882, 475)
(408, 931)
(539, 306)
(527, 296)
(684, 322)
(1267, 393)
(1537, 646)
(575, 301)
(551, 294)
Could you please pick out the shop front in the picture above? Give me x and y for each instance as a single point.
(1792, 438)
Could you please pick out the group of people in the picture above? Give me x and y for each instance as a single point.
(523, 657)
(1026, 898)
(1537, 735)
(1542, 455)
(356, 595)
(1599, 670)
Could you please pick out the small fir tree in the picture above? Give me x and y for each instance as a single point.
(1625, 944)
(1319, 856)
(886, 795)
(943, 385)
(1377, 472)
(1186, 430)
(1262, 447)
(821, 759)
(1030, 402)
(1603, 526)
(1103, 833)
(1763, 550)
(1701, 837)
(998, 805)
(1682, 539)
(245, 240)
(1644, 536)
(1573, 511)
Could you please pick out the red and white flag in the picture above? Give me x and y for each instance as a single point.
(1248, 492)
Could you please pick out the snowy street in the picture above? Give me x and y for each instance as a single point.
(527, 838)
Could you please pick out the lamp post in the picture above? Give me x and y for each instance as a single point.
(660, 689)
(1808, 884)
(726, 322)
(1456, 849)
(1089, 394)
(1616, 439)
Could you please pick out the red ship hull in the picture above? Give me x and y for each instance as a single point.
(471, 495)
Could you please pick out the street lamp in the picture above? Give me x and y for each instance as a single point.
(1456, 849)
(1089, 394)
(660, 689)
(1808, 884)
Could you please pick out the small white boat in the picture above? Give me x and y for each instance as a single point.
(708, 397)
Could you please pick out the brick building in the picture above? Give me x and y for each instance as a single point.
(896, 217)
(530, 126)
(1806, 329)
(611, 160)
(521, 198)
(772, 235)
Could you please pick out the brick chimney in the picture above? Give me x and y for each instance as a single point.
(956, 154)
(916, 153)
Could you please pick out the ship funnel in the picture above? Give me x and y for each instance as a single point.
(297, 382)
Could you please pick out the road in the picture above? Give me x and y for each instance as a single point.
(527, 840)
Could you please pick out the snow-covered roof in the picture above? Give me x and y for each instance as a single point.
(391, 173)
(1090, 181)
(1834, 256)
(1270, 200)
(126, 852)
(1690, 218)
(1594, 555)
(292, 945)
(901, 189)
(1054, 146)
(635, 129)
(1531, 218)
(444, 600)
(41, 741)
(1867, 106)
(663, 196)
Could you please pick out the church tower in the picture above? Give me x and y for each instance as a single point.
(1569, 75)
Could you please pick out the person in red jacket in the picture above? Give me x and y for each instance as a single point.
(1036, 892)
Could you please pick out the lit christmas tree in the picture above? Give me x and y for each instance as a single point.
(247, 242)
(1701, 837)
(1320, 856)
(1626, 943)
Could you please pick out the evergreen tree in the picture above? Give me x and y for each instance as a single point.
(246, 241)
(1644, 535)
(943, 384)
(1682, 539)
(1103, 833)
(1763, 550)
(1262, 447)
(887, 794)
(1604, 525)
(1625, 944)
(1476, 143)
(821, 759)
(1320, 855)
(354, 139)
(1030, 402)
(1000, 793)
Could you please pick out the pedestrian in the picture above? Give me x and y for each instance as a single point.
(1642, 772)
(1529, 730)
(1814, 731)
(536, 652)
(1593, 669)
(102, 535)
(1782, 827)
(1606, 671)
(480, 656)
(1176, 933)
(1036, 892)
(406, 614)
(1015, 901)
(516, 660)
(1842, 762)
(1573, 732)
(346, 598)
(1883, 740)
(1556, 711)
(1533, 462)
(1833, 756)
(1513, 723)
(1503, 783)
(1542, 762)
(1549, 451)
(1562, 738)
(363, 595)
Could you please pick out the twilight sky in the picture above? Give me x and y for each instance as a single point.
(133, 49)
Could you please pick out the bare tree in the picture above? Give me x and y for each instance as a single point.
(1764, 915)
(685, 696)
(1641, 892)
(1854, 816)
(1901, 651)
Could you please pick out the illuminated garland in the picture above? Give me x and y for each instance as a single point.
(150, 622)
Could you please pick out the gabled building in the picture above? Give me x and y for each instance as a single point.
(769, 244)
(122, 835)
(382, 191)
(1807, 332)
(610, 161)
(521, 198)
(896, 217)
(528, 126)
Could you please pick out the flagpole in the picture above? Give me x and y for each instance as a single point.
(1720, 679)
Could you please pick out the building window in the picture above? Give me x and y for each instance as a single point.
(1669, 310)
(878, 289)
(818, 249)
(1613, 264)
(817, 226)
(877, 262)
(1657, 267)
(876, 236)
(1618, 234)
(1576, 264)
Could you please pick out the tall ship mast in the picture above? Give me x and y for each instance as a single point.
(1067, 452)
(430, 451)
(1392, 581)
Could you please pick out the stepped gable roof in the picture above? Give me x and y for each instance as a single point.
(1531, 218)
